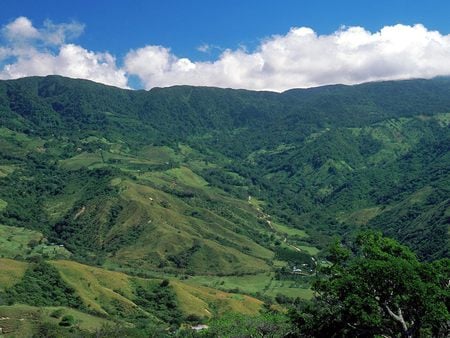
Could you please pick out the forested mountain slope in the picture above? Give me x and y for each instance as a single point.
(326, 160)
(137, 206)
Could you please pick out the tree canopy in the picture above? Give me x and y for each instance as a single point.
(378, 288)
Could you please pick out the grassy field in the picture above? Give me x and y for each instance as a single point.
(288, 288)
(283, 229)
(10, 134)
(22, 242)
(208, 302)
(96, 160)
(309, 249)
(263, 283)
(106, 291)
(102, 291)
(21, 320)
(11, 272)
(14, 241)
(186, 176)
(158, 155)
(82, 160)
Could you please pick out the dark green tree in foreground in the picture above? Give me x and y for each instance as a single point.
(378, 288)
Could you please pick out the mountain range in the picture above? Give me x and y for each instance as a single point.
(235, 191)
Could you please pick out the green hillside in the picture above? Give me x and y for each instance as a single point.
(103, 297)
(216, 190)
(309, 155)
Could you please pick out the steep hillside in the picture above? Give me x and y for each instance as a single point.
(107, 297)
(145, 210)
(106, 171)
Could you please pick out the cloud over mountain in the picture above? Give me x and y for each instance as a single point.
(300, 58)
(28, 51)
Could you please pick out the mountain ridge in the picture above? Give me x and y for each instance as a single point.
(232, 127)
(203, 199)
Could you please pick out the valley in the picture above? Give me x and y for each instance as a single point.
(161, 209)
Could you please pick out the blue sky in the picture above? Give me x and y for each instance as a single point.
(199, 32)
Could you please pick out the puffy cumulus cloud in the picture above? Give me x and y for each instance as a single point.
(22, 29)
(149, 60)
(19, 29)
(71, 61)
(44, 51)
(299, 58)
(156, 66)
(302, 58)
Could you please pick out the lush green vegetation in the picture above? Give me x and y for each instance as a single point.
(160, 299)
(236, 190)
(378, 288)
(268, 324)
(313, 157)
(29, 321)
(41, 285)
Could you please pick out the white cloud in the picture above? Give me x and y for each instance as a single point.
(149, 60)
(22, 30)
(210, 48)
(19, 29)
(4, 53)
(57, 34)
(204, 48)
(299, 58)
(44, 51)
(302, 58)
(71, 61)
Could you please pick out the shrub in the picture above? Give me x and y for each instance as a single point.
(57, 313)
(67, 320)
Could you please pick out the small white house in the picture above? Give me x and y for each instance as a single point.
(199, 327)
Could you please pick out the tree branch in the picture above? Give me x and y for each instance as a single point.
(398, 317)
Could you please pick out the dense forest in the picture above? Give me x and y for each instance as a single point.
(224, 188)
